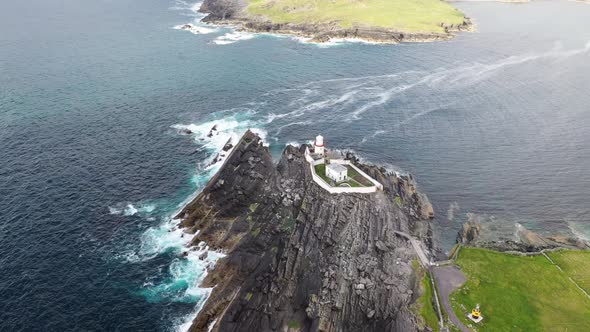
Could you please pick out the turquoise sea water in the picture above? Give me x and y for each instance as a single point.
(94, 95)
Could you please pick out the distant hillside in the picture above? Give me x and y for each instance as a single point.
(321, 20)
(401, 15)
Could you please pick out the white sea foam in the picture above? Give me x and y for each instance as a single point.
(453, 209)
(578, 231)
(113, 210)
(338, 42)
(293, 143)
(373, 135)
(185, 274)
(129, 209)
(161, 238)
(232, 37)
(213, 136)
(196, 27)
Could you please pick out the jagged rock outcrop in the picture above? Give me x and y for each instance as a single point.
(300, 258)
(469, 233)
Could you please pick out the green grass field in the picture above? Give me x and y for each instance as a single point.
(521, 293)
(401, 15)
(321, 171)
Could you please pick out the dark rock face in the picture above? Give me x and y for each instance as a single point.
(222, 9)
(300, 258)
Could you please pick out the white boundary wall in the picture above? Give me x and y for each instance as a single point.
(338, 190)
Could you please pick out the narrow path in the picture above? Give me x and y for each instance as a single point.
(425, 262)
(447, 279)
(419, 251)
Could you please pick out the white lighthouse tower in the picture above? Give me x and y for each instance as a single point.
(319, 145)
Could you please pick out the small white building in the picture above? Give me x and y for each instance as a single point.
(336, 172)
(318, 145)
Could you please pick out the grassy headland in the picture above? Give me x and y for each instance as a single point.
(523, 293)
(401, 15)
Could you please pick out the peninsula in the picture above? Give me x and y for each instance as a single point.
(387, 21)
(302, 258)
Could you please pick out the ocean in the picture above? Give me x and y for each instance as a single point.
(95, 97)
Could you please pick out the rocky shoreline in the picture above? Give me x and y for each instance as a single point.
(301, 259)
(232, 13)
(527, 242)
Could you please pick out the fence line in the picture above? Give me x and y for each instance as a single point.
(339, 190)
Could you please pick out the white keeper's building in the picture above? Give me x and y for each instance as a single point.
(336, 172)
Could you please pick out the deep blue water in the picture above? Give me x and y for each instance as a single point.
(494, 124)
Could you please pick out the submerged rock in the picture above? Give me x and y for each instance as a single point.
(185, 131)
(213, 131)
(469, 233)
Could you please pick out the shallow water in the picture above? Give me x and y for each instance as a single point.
(93, 95)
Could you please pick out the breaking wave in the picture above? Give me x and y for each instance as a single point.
(232, 37)
(578, 230)
(453, 209)
(180, 281)
(128, 209)
(195, 26)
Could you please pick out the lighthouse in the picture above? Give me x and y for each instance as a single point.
(318, 146)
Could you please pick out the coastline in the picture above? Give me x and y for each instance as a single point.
(326, 33)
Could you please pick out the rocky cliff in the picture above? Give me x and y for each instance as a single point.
(300, 258)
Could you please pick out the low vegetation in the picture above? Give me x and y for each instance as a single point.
(400, 15)
(294, 324)
(424, 306)
(523, 293)
(253, 207)
(398, 200)
(255, 231)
